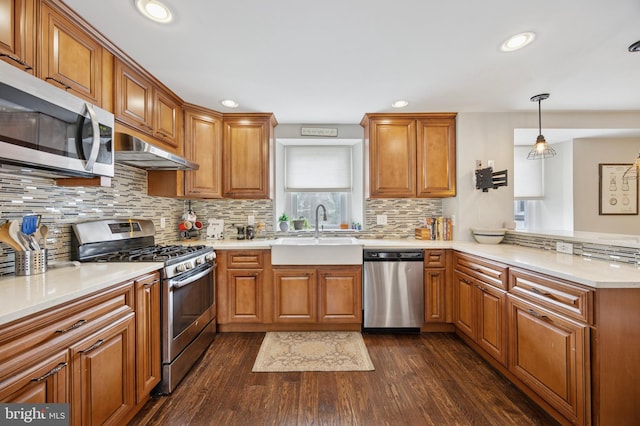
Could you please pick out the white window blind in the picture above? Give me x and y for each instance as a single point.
(317, 168)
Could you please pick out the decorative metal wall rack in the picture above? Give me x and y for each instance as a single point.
(488, 179)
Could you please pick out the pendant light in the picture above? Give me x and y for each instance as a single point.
(541, 149)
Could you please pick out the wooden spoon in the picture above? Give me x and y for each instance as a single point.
(44, 230)
(6, 238)
(14, 228)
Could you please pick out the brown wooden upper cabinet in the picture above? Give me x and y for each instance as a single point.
(203, 145)
(69, 57)
(411, 155)
(247, 147)
(17, 33)
(147, 108)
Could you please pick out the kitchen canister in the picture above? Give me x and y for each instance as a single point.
(31, 262)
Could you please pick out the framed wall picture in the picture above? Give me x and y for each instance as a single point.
(618, 193)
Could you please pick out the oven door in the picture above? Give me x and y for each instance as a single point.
(189, 305)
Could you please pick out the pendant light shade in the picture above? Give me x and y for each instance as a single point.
(541, 149)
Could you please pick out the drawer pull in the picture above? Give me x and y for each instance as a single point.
(541, 293)
(19, 61)
(539, 316)
(53, 371)
(92, 347)
(73, 327)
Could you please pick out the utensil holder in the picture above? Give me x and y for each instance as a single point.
(31, 262)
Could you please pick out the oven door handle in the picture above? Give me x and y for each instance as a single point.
(176, 283)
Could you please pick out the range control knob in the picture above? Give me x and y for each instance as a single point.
(199, 261)
(180, 268)
(209, 257)
(188, 265)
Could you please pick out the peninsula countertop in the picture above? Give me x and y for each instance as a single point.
(592, 273)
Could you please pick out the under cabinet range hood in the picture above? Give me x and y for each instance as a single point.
(136, 152)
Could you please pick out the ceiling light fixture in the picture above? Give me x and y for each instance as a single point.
(154, 10)
(518, 41)
(399, 104)
(635, 47)
(229, 103)
(541, 149)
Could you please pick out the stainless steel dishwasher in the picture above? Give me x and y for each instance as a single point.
(393, 294)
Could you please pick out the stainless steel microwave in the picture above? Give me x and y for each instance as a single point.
(45, 131)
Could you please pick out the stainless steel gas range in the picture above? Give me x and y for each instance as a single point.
(188, 286)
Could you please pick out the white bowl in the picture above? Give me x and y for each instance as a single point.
(488, 236)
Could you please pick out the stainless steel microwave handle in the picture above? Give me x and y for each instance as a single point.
(95, 144)
(175, 283)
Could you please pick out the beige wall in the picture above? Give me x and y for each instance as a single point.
(489, 136)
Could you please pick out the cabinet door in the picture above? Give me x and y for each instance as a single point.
(167, 121)
(203, 144)
(436, 157)
(435, 285)
(244, 289)
(491, 335)
(464, 312)
(17, 30)
(103, 365)
(46, 381)
(340, 295)
(148, 329)
(69, 58)
(247, 156)
(134, 98)
(392, 157)
(294, 292)
(550, 353)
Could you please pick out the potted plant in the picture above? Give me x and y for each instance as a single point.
(298, 224)
(283, 222)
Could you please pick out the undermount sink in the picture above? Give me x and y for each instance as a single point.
(316, 251)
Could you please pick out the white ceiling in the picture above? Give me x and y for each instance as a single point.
(332, 61)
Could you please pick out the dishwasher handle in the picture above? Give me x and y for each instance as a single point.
(393, 255)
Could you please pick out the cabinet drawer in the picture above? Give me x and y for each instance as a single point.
(561, 296)
(63, 325)
(488, 271)
(245, 259)
(434, 258)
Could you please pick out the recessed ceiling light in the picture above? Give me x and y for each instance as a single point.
(518, 41)
(154, 10)
(635, 47)
(399, 104)
(229, 103)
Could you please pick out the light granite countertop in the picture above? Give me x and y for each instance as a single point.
(592, 273)
(24, 295)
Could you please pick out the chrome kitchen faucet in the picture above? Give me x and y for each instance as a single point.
(324, 217)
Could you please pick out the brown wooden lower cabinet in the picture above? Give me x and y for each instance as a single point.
(317, 294)
(88, 352)
(103, 368)
(148, 329)
(550, 354)
(479, 313)
(42, 382)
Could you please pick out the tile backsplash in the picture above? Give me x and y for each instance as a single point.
(127, 197)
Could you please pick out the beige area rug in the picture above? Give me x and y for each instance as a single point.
(313, 351)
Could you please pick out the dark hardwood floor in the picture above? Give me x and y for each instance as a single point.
(428, 379)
